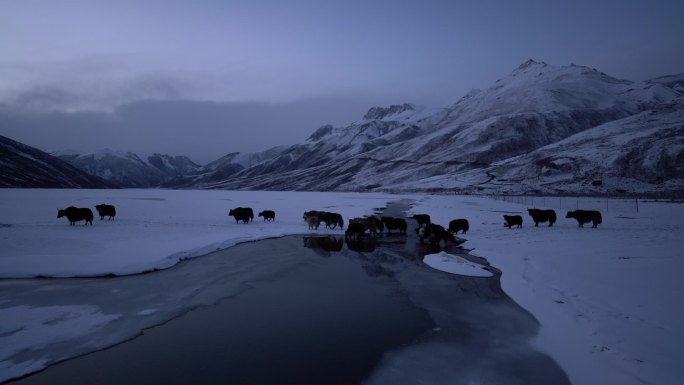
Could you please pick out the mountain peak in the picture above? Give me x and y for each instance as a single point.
(377, 113)
(531, 63)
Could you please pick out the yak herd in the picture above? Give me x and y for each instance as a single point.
(359, 227)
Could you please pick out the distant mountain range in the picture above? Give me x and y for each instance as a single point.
(127, 169)
(541, 129)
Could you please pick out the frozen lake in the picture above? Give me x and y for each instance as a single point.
(275, 311)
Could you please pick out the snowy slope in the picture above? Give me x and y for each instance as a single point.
(409, 149)
(25, 166)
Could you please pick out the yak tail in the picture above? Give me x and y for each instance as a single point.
(599, 219)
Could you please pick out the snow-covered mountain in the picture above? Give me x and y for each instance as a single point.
(128, 169)
(502, 132)
(26, 166)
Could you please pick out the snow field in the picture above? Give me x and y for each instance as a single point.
(606, 298)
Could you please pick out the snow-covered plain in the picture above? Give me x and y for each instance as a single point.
(607, 298)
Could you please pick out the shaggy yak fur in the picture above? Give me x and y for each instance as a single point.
(354, 230)
(459, 225)
(378, 224)
(585, 216)
(106, 210)
(513, 220)
(435, 234)
(312, 219)
(268, 215)
(76, 214)
(542, 216)
(394, 224)
(368, 223)
(422, 219)
(332, 220)
(244, 214)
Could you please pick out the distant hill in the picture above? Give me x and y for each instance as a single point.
(127, 169)
(25, 166)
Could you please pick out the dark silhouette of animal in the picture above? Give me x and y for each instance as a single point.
(355, 230)
(268, 215)
(106, 210)
(513, 220)
(312, 219)
(542, 216)
(332, 220)
(244, 214)
(459, 225)
(422, 219)
(378, 224)
(435, 234)
(586, 216)
(368, 223)
(394, 224)
(76, 214)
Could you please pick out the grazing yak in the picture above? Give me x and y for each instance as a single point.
(394, 224)
(422, 219)
(106, 210)
(355, 230)
(368, 223)
(512, 220)
(585, 216)
(459, 225)
(75, 214)
(542, 216)
(435, 234)
(244, 214)
(268, 215)
(312, 219)
(378, 224)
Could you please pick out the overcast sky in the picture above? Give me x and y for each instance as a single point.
(205, 78)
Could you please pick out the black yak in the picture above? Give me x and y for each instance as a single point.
(459, 225)
(244, 214)
(354, 230)
(422, 219)
(368, 223)
(512, 220)
(542, 216)
(378, 224)
(106, 210)
(394, 224)
(585, 216)
(435, 234)
(268, 215)
(332, 220)
(75, 214)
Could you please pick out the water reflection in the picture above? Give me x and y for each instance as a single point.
(322, 313)
(326, 243)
